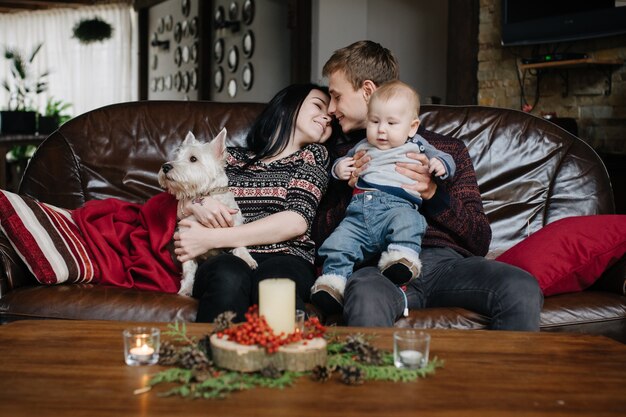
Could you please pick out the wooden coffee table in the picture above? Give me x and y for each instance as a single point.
(76, 368)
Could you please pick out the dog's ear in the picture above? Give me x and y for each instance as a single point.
(190, 139)
(218, 145)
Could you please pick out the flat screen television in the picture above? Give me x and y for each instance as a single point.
(531, 22)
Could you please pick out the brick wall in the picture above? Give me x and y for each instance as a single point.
(601, 119)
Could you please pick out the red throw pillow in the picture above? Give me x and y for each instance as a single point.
(568, 255)
(46, 239)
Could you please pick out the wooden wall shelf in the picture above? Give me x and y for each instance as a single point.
(607, 66)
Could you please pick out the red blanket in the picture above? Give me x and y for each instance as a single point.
(129, 242)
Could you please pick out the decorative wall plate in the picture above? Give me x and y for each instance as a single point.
(185, 84)
(185, 53)
(169, 22)
(185, 7)
(178, 56)
(247, 76)
(233, 11)
(193, 27)
(247, 44)
(178, 80)
(247, 11)
(218, 50)
(218, 79)
(233, 59)
(168, 82)
(219, 16)
(193, 79)
(185, 28)
(232, 87)
(193, 53)
(178, 32)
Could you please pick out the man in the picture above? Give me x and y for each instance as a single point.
(454, 270)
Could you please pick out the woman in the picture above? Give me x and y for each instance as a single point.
(278, 181)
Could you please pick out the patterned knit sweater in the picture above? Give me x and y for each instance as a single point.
(455, 214)
(295, 183)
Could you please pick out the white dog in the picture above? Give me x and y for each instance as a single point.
(198, 170)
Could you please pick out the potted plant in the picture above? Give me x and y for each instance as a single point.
(23, 87)
(54, 116)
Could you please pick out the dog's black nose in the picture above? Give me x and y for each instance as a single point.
(166, 168)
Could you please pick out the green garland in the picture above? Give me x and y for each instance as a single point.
(212, 382)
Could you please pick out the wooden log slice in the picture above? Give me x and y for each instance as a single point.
(300, 356)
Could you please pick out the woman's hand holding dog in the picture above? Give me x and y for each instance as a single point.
(209, 212)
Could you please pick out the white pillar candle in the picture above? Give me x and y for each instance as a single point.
(277, 303)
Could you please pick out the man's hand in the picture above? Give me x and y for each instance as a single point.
(360, 163)
(420, 173)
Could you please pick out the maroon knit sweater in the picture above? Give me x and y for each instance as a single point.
(455, 214)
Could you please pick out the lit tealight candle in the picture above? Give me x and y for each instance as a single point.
(141, 353)
(277, 303)
(411, 357)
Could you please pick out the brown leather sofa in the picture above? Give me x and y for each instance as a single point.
(530, 172)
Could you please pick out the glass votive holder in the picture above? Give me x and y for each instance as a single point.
(141, 345)
(300, 319)
(410, 349)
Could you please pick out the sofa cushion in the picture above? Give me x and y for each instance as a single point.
(46, 239)
(568, 255)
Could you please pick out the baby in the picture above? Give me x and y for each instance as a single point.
(382, 217)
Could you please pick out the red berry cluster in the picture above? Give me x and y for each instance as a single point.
(255, 331)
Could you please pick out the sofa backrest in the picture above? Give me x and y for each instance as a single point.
(530, 171)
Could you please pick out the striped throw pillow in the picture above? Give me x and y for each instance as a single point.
(47, 240)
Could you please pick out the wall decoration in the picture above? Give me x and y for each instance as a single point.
(247, 11)
(232, 87)
(233, 10)
(153, 84)
(161, 25)
(218, 79)
(155, 61)
(169, 23)
(218, 50)
(247, 76)
(185, 7)
(185, 85)
(92, 30)
(193, 27)
(185, 54)
(193, 80)
(178, 56)
(233, 59)
(160, 83)
(168, 82)
(185, 28)
(219, 17)
(178, 32)
(247, 44)
(193, 54)
(178, 80)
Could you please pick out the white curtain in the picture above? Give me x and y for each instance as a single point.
(87, 76)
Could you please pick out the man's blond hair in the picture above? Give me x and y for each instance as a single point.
(397, 88)
(363, 60)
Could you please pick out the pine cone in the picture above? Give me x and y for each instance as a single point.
(204, 344)
(351, 375)
(321, 373)
(354, 343)
(168, 354)
(369, 355)
(193, 358)
(223, 321)
(271, 371)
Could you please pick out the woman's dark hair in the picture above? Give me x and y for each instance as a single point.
(271, 131)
